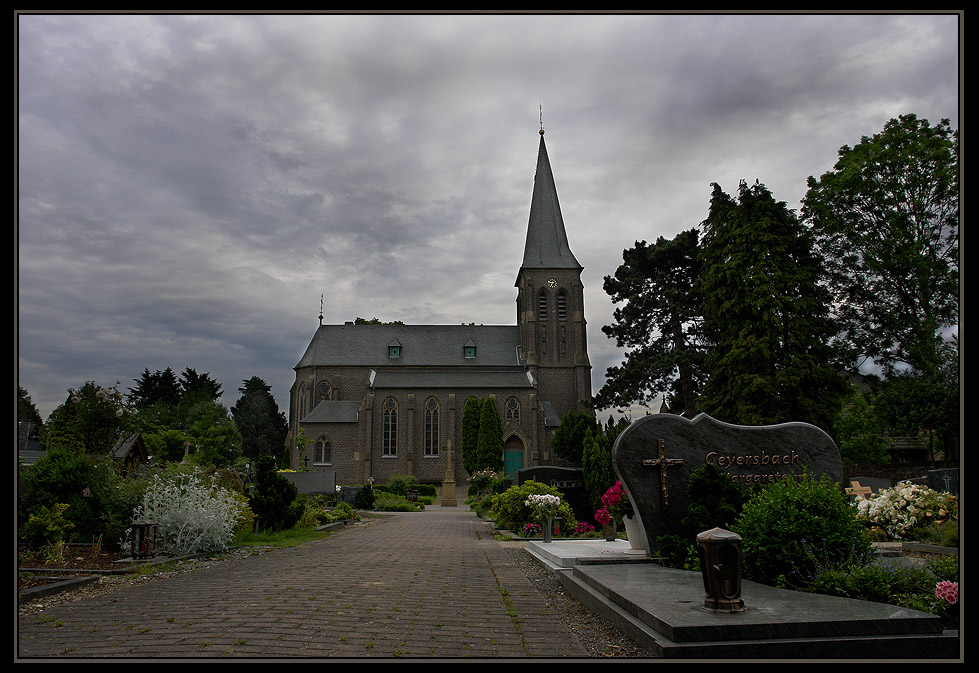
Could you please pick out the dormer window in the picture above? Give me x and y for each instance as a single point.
(469, 350)
(394, 349)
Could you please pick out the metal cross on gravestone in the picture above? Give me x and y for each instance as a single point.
(662, 462)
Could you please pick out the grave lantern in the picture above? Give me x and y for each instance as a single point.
(144, 539)
(720, 563)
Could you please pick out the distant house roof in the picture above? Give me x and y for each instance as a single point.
(130, 449)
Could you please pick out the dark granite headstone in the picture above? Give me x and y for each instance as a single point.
(656, 454)
(945, 480)
(570, 481)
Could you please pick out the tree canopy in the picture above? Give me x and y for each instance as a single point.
(658, 287)
(886, 222)
(262, 426)
(765, 315)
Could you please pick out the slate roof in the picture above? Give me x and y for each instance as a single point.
(452, 379)
(353, 345)
(334, 411)
(547, 241)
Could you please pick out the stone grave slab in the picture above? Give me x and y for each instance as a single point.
(656, 454)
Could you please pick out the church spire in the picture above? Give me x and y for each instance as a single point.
(547, 241)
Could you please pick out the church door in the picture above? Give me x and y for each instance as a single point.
(512, 456)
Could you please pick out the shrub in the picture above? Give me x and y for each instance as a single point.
(273, 497)
(780, 524)
(400, 484)
(364, 498)
(193, 516)
(715, 500)
(510, 510)
(48, 525)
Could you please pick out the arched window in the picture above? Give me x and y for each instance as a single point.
(323, 451)
(511, 410)
(432, 427)
(324, 391)
(389, 429)
(303, 401)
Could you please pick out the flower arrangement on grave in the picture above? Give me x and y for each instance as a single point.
(545, 506)
(615, 505)
(583, 528)
(901, 509)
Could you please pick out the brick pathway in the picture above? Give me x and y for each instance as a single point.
(428, 584)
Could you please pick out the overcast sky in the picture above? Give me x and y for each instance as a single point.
(189, 186)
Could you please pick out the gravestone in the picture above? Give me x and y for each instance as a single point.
(945, 480)
(569, 480)
(656, 454)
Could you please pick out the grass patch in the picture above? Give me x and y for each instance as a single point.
(291, 537)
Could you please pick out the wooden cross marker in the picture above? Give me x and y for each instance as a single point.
(857, 489)
(662, 462)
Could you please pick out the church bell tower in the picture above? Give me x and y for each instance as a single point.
(550, 300)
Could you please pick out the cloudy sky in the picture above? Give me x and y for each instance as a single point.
(189, 186)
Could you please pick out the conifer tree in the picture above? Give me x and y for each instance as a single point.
(766, 316)
(489, 447)
(470, 434)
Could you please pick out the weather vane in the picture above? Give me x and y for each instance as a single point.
(321, 309)
(541, 107)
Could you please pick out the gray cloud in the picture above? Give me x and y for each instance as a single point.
(189, 186)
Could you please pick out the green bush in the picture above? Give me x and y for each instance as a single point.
(400, 484)
(793, 525)
(510, 512)
(274, 501)
(388, 502)
(46, 526)
(715, 500)
(364, 498)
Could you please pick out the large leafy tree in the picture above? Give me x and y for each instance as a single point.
(90, 420)
(262, 426)
(886, 221)
(659, 320)
(568, 441)
(766, 315)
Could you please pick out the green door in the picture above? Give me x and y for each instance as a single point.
(512, 461)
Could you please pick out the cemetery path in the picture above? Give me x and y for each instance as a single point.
(429, 584)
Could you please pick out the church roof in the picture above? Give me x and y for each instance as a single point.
(409, 378)
(547, 241)
(354, 345)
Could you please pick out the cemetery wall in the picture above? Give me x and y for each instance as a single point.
(893, 472)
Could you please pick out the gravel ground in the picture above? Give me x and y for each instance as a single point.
(599, 636)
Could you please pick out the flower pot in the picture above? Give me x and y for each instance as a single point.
(608, 530)
(548, 527)
(636, 534)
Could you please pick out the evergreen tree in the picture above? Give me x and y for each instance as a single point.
(470, 434)
(196, 387)
(659, 288)
(569, 437)
(596, 466)
(159, 387)
(766, 316)
(262, 426)
(489, 447)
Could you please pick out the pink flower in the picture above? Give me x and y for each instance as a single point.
(602, 516)
(948, 591)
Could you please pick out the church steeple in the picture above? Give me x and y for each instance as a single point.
(547, 241)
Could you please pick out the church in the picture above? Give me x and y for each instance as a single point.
(374, 401)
